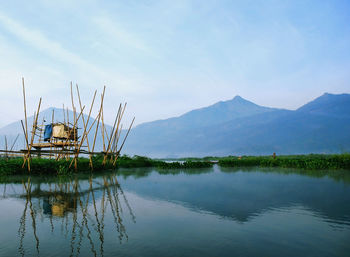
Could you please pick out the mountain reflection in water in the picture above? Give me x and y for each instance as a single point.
(193, 212)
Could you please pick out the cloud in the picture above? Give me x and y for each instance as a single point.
(116, 34)
(38, 40)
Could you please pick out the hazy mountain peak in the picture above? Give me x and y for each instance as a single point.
(239, 98)
(236, 103)
(334, 104)
(329, 104)
(214, 114)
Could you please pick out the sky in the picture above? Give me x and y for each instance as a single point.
(165, 58)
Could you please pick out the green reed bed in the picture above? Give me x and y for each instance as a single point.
(310, 162)
(183, 165)
(13, 166)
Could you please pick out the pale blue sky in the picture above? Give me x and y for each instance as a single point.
(167, 57)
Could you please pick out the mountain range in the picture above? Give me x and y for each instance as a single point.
(240, 127)
(236, 127)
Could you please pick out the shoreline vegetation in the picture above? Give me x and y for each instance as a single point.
(41, 166)
(13, 166)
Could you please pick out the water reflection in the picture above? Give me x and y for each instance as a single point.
(337, 175)
(206, 212)
(245, 193)
(79, 207)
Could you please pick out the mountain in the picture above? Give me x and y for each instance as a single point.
(328, 104)
(233, 127)
(214, 114)
(163, 133)
(321, 126)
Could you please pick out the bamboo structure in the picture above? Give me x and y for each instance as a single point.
(61, 140)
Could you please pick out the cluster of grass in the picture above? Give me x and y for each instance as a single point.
(39, 166)
(310, 162)
(136, 161)
(183, 165)
(13, 166)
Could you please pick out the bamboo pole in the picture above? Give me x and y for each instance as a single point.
(116, 132)
(121, 147)
(117, 140)
(110, 138)
(14, 142)
(103, 130)
(85, 133)
(6, 155)
(25, 112)
(87, 140)
(64, 115)
(52, 120)
(25, 135)
(85, 130)
(98, 123)
(87, 122)
(68, 129)
(74, 115)
(32, 138)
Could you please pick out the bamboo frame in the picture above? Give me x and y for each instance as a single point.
(67, 147)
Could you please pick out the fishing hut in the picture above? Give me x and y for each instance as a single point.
(57, 135)
(61, 140)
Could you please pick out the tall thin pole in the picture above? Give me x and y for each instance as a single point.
(52, 120)
(87, 139)
(14, 143)
(98, 123)
(85, 133)
(74, 116)
(121, 147)
(25, 112)
(6, 148)
(32, 138)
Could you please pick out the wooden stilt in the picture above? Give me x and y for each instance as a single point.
(6, 154)
(103, 130)
(85, 130)
(87, 140)
(35, 122)
(74, 116)
(111, 136)
(121, 147)
(14, 142)
(52, 121)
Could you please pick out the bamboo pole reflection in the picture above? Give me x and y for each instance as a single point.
(79, 209)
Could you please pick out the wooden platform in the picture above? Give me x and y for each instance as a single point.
(54, 144)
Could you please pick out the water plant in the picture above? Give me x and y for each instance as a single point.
(310, 162)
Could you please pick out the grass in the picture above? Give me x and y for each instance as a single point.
(13, 166)
(40, 166)
(309, 162)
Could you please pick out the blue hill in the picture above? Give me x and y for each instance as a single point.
(239, 127)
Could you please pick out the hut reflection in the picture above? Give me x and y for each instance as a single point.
(77, 209)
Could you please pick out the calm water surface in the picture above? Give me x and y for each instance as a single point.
(204, 212)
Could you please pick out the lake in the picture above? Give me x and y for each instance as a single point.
(199, 212)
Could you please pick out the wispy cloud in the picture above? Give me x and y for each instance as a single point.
(51, 48)
(116, 34)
